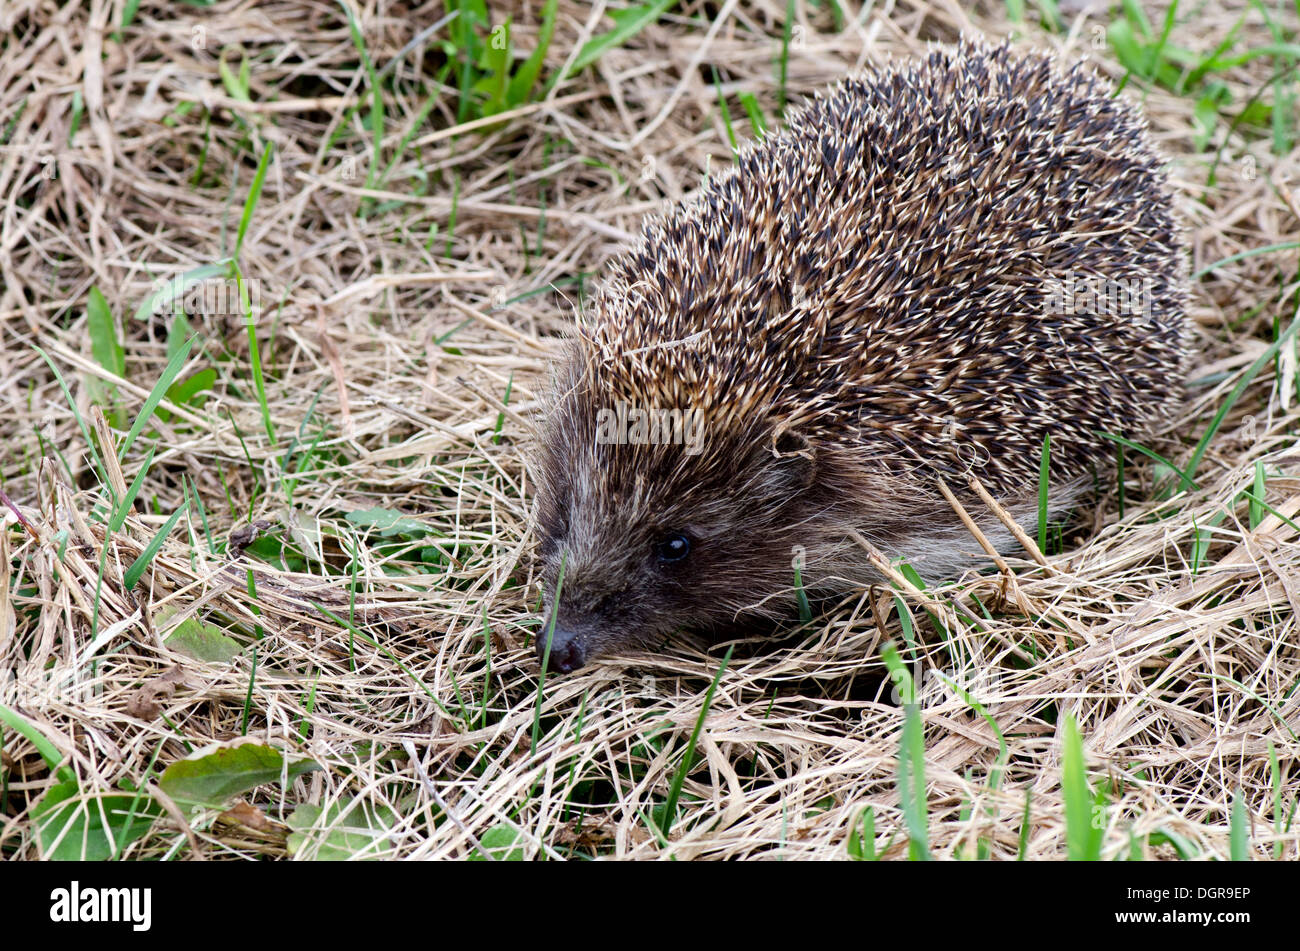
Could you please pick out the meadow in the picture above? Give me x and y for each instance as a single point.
(279, 286)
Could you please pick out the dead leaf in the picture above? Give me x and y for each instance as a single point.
(146, 703)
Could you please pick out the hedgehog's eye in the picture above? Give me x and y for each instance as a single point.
(672, 548)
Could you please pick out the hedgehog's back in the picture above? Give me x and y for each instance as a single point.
(940, 262)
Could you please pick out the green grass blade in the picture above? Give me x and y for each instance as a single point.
(1251, 372)
(376, 121)
(164, 299)
(1044, 465)
(254, 193)
(546, 657)
(132, 576)
(123, 507)
(1239, 838)
(911, 759)
(1083, 833)
(156, 395)
(48, 751)
(1233, 258)
(688, 758)
(254, 353)
(104, 344)
(755, 112)
(81, 423)
(726, 114)
(1256, 506)
(525, 77)
(1187, 480)
(783, 63)
(1023, 847)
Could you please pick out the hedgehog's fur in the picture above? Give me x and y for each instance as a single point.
(865, 300)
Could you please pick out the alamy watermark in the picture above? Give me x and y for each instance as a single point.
(627, 425)
(77, 903)
(1077, 293)
(214, 297)
(930, 687)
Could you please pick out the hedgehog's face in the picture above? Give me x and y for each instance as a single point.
(641, 540)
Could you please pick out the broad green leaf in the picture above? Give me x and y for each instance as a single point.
(202, 642)
(501, 842)
(190, 391)
(108, 352)
(328, 835)
(389, 522)
(1205, 116)
(92, 829)
(211, 779)
(1127, 48)
(494, 62)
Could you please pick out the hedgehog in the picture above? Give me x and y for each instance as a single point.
(934, 266)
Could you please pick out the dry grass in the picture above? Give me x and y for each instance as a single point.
(1182, 682)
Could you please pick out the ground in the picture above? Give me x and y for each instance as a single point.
(268, 584)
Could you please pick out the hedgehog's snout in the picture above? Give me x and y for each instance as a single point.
(567, 651)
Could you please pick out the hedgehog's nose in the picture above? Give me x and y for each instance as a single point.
(566, 654)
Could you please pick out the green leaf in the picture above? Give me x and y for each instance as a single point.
(628, 23)
(108, 352)
(1237, 390)
(94, 828)
(210, 779)
(341, 831)
(862, 842)
(104, 343)
(755, 113)
(1125, 44)
(500, 841)
(177, 334)
(190, 392)
(495, 63)
(1185, 849)
(375, 120)
(129, 10)
(237, 86)
(688, 758)
(1206, 116)
(525, 77)
(1260, 490)
(202, 642)
(388, 522)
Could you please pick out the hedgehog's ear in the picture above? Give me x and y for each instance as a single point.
(791, 442)
(797, 454)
